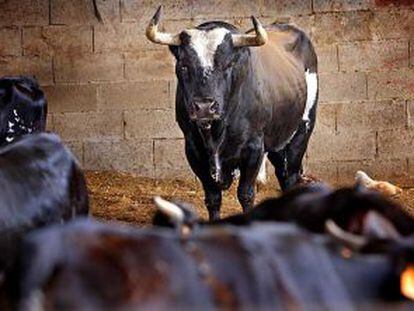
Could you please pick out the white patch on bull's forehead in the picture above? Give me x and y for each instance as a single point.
(205, 44)
(312, 91)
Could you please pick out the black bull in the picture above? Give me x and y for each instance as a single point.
(234, 102)
(40, 183)
(91, 266)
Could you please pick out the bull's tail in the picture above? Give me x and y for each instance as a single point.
(262, 176)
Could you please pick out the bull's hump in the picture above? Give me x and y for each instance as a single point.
(205, 43)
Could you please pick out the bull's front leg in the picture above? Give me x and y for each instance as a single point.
(200, 166)
(249, 168)
(212, 200)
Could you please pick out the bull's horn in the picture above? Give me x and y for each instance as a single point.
(259, 38)
(160, 37)
(170, 209)
(350, 240)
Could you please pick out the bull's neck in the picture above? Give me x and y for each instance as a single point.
(213, 137)
(244, 88)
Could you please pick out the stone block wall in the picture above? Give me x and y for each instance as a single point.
(111, 92)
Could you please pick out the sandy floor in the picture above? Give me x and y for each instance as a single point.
(126, 198)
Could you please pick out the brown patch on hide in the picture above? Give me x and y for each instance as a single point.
(223, 295)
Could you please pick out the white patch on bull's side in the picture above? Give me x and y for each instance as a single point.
(262, 176)
(312, 91)
(205, 44)
(9, 139)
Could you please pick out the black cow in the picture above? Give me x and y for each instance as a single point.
(234, 102)
(23, 108)
(40, 183)
(91, 266)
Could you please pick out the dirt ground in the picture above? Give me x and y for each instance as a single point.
(127, 198)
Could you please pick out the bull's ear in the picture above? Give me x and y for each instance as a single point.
(5, 91)
(174, 50)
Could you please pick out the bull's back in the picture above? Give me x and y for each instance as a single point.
(40, 184)
(281, 67)
(271, 266)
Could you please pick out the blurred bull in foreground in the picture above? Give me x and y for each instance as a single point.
(40, 183)
(86, 265)
(23, 108)
(356, 210)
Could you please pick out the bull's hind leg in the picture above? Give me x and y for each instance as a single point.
(288, 161)
(212, 192)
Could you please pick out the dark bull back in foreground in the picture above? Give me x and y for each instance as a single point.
(91, 266)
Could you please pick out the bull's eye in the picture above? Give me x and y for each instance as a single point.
(184, 72)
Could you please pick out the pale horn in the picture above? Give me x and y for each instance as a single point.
(159, 37)
(257, 39)
(353, 241)
(169, 209)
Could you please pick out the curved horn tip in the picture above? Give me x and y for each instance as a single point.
(157, 16)
(255, 21)
(261, 33)
(160, 37)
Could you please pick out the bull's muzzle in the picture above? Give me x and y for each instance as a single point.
(204, 110)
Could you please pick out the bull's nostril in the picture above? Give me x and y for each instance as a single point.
(197, 107)
(214, 107)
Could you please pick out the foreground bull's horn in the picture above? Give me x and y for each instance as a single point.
(258, 39)
(363, 178)
(160, 37)
(350, 240)
(170, 209)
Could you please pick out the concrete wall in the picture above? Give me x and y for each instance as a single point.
(111, 92)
